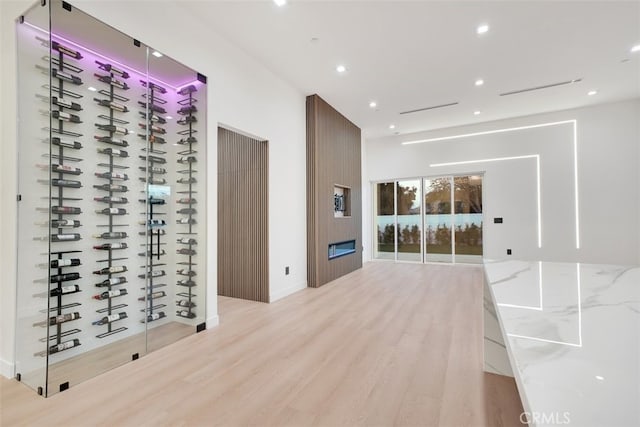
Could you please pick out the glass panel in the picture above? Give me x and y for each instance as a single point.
(438, 219)
(409, 220)
(174, 127)
(468, 218)
(384, 222)
(33, 168)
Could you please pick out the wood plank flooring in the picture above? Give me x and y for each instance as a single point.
(391, 344)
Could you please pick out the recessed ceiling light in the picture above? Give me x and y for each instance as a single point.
(168, 117)
(280, 2)
(392, 126)
(92, 89)
(479, 82)
(373, 104)
(341, 68)
(635, 49)
(592, 92)
(157, 54)
(599, 377)
(482, 29)
(476, 113)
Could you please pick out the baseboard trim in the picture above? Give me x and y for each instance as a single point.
(7, 369)
(286, 292)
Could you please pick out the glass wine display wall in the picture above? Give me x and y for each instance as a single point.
(108, 215)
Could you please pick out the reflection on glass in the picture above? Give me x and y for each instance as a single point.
(385, 226)
(408, 220)
(468, 218)
(438, 219)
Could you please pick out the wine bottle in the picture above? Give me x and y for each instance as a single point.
(113, 128)
(153, 273)
(112, 270)
(65, 169)
(152, 107)
(62, 318)
(189, 221)
(64, 290)
(66, 143)
(111, 69)
(62, 102)
(185, 272)
(155, 222)
(66, 77)
(154, 159)
(185, 313)
(110, 318)
(154, 169)
(112, 211)
(64, 223)
(187, 120)
(110, 294)
(187, 109)
(66, 50)
(187, 90)
(187, 201)
(158, 294)
(186, 211)
(65, 210)
(113, 152)
(112, 199)
(188, 241)
(185, 251)
(112, 141)
(57, 263)
(114, 188)
(112, 235)
(153, 128)
(112, 105)
(57, 278)
(112, 175)
(112, 81)
(69, 183)
(187, 159)
(155, 232)
(185, 303)
(112, 282)
(111, 246)
(68, 117)
(153, 201)
(157, 181)
(64, 346)
(152, 253)
(62, 237)
(188, 140)
(154, 118)
(191, 180)
(188, 283)
(155, 316)
(153, 86)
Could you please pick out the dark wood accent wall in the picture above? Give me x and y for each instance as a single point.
(243, 228)
(333, 158)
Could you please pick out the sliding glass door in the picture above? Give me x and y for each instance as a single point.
(434, 219)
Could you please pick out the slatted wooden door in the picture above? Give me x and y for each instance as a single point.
(243, 246)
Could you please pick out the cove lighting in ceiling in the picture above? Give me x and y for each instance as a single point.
(280, 2)
(92, 89)
(341, 68)
(392, 126)
(157, 54)
(482, 29)
(479, 82)
(592, 92)
(476, 113)
(373, 104)
(635, 49)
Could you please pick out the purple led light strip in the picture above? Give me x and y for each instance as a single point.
(195, 82)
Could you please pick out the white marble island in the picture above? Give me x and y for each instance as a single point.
(572, 338)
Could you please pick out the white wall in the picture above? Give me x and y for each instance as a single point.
(241, 94)
(608, 141)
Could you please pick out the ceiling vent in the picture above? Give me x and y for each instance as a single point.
(429, 108)
(514, 92)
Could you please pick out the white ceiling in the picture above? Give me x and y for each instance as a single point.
(407, 55)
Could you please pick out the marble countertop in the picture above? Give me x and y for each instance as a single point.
(572, 333)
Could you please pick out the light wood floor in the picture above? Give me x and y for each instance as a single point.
(391, 344)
